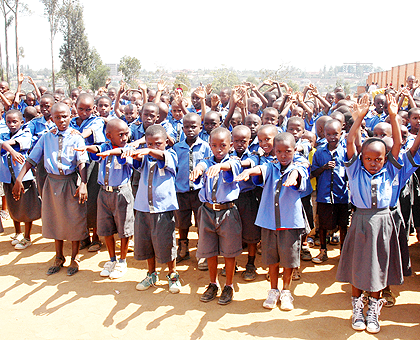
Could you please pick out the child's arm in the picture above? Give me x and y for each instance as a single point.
(160, 87)
(408, 95)
(16, 156)
(244, 175)
(197, 172)
(327, 166)
(37, 92)
(323, 101)
(5, 101)
(117, 101)
(107, 82)
(359, 112)
(215, 169)
(396, 131)
(18, 187)
(416, 144)
(235, 96)
(81, 191)
(179, 99)
(292, 179)
(143, 89)
(260, 96)
(21, 78)
(138, 154)
(209, 88)
(215, 101)
(88, 148)
(200, 93)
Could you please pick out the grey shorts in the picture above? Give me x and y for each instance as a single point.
(116, 212)
(281, 246)
(188, 203)
(220, 232)
(247, 204)
(154, 236)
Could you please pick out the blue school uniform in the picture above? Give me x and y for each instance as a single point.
(255, 145)
(178, 127)
(306, 145)
(58, 149)
(96, 124)
(372, 119)
(119, 169)
(136, 131)
(22, 105)
(204, 135)
(23, 138)
(222, 188)
(156, 192)
(331, 184)
(248, 185)
(280, 206)
(169, 129)
(188, 158)
(38, 127)
(369, 191)
(309, 124)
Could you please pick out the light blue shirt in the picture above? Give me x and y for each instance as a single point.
(156, 192)
(96, 124)
(136, 131)
(248, 185)
(188, 158)
(38, 127)
(59, 160)
(204, 135)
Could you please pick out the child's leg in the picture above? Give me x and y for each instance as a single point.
(18, 230)
(323, 238)
(252, 251)
(124, 247)
(230, 270)
(59, 258)
(273, 270)
(172, 266)
(59, 248)
(212, 264)
(74, 249)
(151, 265)
(355, 292)
(28, 228)
(74, 264)
(287, 278)
(110, 245)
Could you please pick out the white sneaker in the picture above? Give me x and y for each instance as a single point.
(286, 300)
(23, 244)
(372, 315)
(108, 268)
(16, 238)
(119, 270)
(174, 283)
(358, 318)
(202, 264)
(272, 299)
(148, 281)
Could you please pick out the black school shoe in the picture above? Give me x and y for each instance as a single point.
(227, 296)
(210, 293)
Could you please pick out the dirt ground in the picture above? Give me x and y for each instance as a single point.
(86, 306)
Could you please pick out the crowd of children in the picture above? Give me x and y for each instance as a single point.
(274, 172)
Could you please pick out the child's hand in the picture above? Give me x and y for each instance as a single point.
(299, 97)
(200, 93)
(237, 94)
(243, 176)
(209, 89)
(17, 190)
(136, 154)
(73, 132)
(330, 165)
(213, 170)
(292, 179)
(392, 106)
(161, 85)
(104, 154)
(108, 81)
(405, 92)
(81, 149)
(142, 87)
(215, 100)
(121, 89)
(17, 157)
(197, 172)
(53, 130)
(30, 80)
(81, 191)
(21, 78)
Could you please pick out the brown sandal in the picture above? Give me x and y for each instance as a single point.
(58, 263)
(389, 298)
(73, 268)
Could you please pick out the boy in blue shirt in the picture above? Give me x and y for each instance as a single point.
(189, 152)
(219, 221)
(115, 200)
(154, 225)
(332, 194)
(282, 226)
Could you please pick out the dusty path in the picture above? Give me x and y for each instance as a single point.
(86, 306)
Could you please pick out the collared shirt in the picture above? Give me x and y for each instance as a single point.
(248, 185)
(22, 105)
(169, 128)
(306, 145)
(96, 124)
(255, 145)
(8, 170)
(38, 127)
(156, 192)
(188, 158)
(136, 131)
(113, 170)
(204, 135)
(221, 188)
(280, 206)
(178, 127)
(369, 191)
(372, 119)
(58, 151)
(332, 183)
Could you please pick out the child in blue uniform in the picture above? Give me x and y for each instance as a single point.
(63, 209)
(282, 226)
(370, 258)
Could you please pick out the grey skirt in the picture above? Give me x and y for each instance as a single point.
(370, 259)
(28, 208)
(63, 218)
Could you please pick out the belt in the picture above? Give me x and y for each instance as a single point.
(112, 189)
(219, 207)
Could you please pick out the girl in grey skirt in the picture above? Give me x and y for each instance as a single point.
(370, 259)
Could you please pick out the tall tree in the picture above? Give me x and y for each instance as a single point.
(130, 68)
(52, 10)
(224, 77)
(99, 72)
(7, 22)
(74, 53)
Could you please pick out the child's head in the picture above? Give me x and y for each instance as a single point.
(74, 94)
(177, 113)
(332, 130)
(191, 126)
(404, 117)
(45, 104)
(414, 119)
(112, 93)
(151, 95)
(149, 114)
(330, 97)
(270, 116)
(310, 136)
(236, 119)
(337, 115)
(1, 109)
(130, 113)
(284, 148)
(297, 111)
(4, 86)
(241, 136)
(163, 112)
(271, 98)
(320, 123)
(382, 130)
(57, 97)
(60, 115)
(30, 99)
(14, 120)
(117, 132)
(220, 143)
(211, 121)
(85, 105)
(224, 95)
(104, 105)
(253, 122)
(373, 154)
(296, 126)
(195, 100)
(156, 137)
(68, 102)
(380, 103)
(254, 105)
(266, 135)
(30, 113)
(339, 96)
(404, 134)
(164, 98)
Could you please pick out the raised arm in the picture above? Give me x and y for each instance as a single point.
(160, 88)
(36, 89)
(260, 96)
(235, 97)
(359, 112)
(396, 131)
(201, 93)
(117, 100)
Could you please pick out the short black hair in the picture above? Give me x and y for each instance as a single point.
(285, 136)
(14, 112)
(155, 130)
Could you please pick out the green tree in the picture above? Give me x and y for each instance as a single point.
(99, 73)
(75, 55)
(130, 68)
(224, 77)
(182, 81)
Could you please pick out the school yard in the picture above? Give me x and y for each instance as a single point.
(86, 306)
